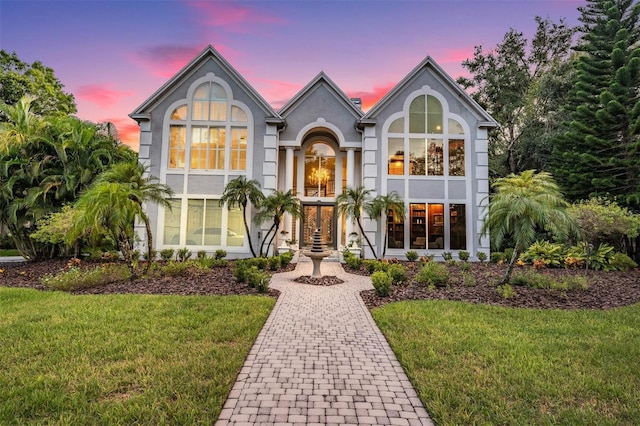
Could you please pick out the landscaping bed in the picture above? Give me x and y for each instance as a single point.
(604, 290)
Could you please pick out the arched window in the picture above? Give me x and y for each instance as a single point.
(427, 146)
(320, 171)
(213, 127)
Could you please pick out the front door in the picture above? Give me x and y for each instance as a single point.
(319, 216)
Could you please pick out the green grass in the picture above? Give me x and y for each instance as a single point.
(121, 359)
(9, 252)
(475, 364)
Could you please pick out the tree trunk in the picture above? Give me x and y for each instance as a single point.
(275, 232)
(507, 276)
(265, 239)
(147, 226)
(246, 229)
(366, 238)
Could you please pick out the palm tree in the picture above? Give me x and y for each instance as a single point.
(22, 127)
(108, 207)
(522, 205)
(383, 205)
(274, 207)
(351, 203)
(240, 192)
(139, 188)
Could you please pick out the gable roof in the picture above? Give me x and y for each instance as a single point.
(320, 79)
(430, 65)
(208, 52)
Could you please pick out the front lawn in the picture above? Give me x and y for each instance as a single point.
(477, 364)
(122, 359)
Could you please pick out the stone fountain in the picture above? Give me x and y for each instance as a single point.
(317, 253)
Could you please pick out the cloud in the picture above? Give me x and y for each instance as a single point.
(232, 17)
(454, 55)
(277, 92)
(166, 59)
(370, 98)
(101, 95)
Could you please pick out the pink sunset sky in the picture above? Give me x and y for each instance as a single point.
(113, 54)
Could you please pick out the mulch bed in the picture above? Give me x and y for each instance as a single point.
(606, 289)
(325, 280)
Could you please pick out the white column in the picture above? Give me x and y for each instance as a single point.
(288, 185)
(351, 172)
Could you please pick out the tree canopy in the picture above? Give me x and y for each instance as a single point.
(18, 78)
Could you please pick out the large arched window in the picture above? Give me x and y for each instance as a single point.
(430, 145)
(320, 171)
(213, 128)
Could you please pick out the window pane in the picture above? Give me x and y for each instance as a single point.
(435, 158)
(179, 113)
(202, 92)
(396, 156)
(195, 211)
(218, 111)
(434, 115)
(456, 157)
(418, 235)
(238, 114)
(217, 144)
(235, 228)
(395, 235)
(397, 126)
(417, 115)
(218, 92)
(458, 224)
(177, 140)
(200, 110)
(172, 222)
(455, 128)
(238, 149)
(416, 157)
(436, 226)
(213, 223)
(199, 142)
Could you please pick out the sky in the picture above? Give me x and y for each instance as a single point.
(112, 55)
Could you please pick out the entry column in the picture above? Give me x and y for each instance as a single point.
(288, 185)
(351, 172)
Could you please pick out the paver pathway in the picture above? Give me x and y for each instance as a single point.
(321, 359)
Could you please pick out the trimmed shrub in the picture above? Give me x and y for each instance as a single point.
(201, 254)
(482, 256)
(166, 254)
(506, 291)
(353, 262)
(183, 254)
(372, 265)
(220, 254)
(497, 257)
(465, 267)
(274, 263)
(544, 252)
(464, 255)
(381, 282)
(508, 254)
(412, 255)
(468, 280)
(447, 256)
(258, 279)
(286, 258)
(433, 273)
(398, 273)
(240, 270)
(154, 255)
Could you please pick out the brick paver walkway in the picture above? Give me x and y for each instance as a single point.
(321, 359)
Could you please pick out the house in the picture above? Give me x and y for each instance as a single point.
(426, 140)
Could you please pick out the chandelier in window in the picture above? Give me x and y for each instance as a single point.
(319, 176)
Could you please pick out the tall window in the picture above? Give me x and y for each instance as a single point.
(320, 171)
(211, 129)
(428, 146)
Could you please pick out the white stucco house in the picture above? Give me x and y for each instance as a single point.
(426, 140)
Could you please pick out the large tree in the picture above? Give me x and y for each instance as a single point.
(599, 155)
(18, 78)
(523, 205)
(516, 83)
(240, 192)
(46, 162)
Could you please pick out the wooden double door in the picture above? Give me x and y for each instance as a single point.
(319, 216)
